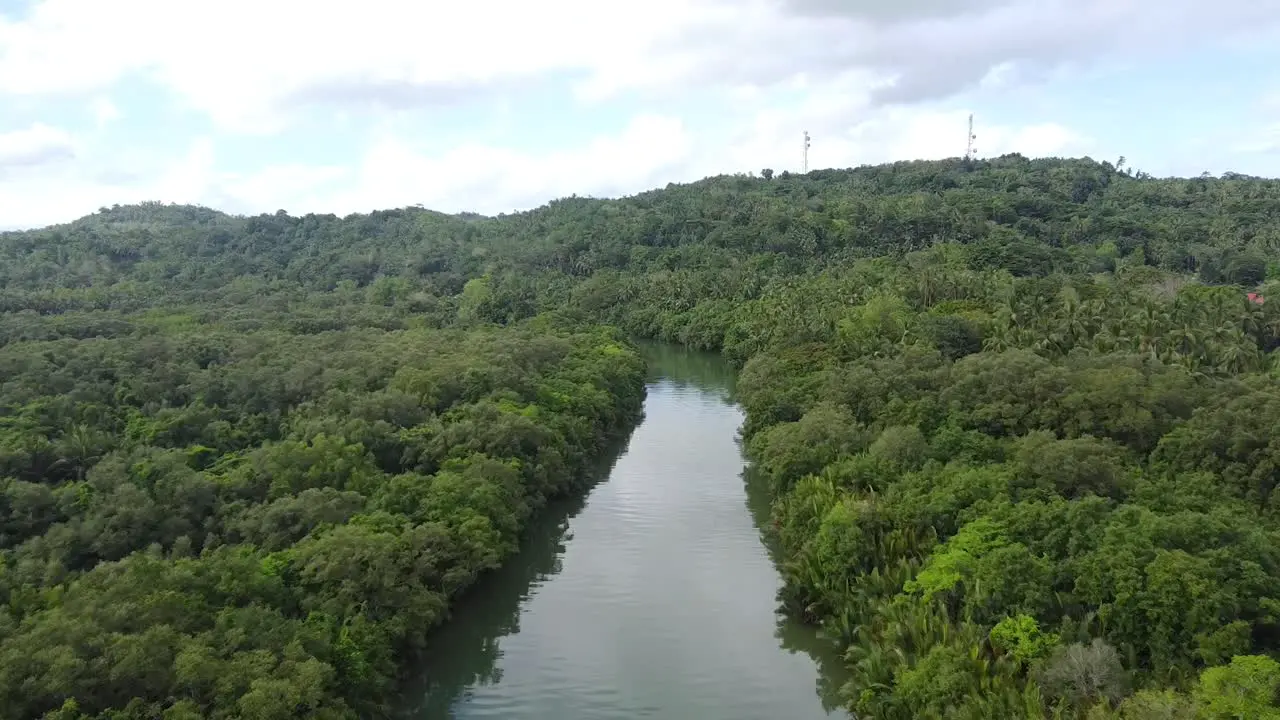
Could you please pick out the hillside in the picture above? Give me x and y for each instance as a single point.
(1016, 415)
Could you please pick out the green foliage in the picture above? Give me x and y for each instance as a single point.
(998, 402)
(957, 560)
(1021, 638)
(258, 523)
(1249, 687)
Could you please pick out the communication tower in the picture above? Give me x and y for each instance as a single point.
(806, 152)
(970, 152)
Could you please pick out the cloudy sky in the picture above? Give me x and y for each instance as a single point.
(497, 105)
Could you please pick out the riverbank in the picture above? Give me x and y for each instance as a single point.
(652, 596)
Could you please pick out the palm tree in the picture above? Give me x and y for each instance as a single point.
(79, 448)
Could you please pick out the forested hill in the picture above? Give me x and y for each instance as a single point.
(714, 243)
(1029, 216)
(1017, 416)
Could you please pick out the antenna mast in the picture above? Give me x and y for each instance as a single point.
(970, 151)
(806, 152)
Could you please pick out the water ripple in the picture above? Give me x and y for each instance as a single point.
(660, 605)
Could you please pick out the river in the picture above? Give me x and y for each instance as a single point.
(651, 597)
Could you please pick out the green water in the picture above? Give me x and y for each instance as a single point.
(651, 597)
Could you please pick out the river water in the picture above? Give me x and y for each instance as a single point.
(651, 597)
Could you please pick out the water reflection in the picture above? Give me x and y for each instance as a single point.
(704, 372)
(464, 652)
(793, 636)
(653, 596)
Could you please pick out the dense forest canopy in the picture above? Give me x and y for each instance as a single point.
(1017, 416)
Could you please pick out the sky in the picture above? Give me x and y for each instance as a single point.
(501, 105)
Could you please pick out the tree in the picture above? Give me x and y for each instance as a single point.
(1246, 688)
(1080, 674)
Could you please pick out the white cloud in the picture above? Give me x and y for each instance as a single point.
(899, 134)
(848, 129)
(104, 111)
(894, 12)
(1264, 140)
(296, 187)
(60, 192)
(851, 72)
(244, 62)
(36, 145)
(248, 64)
(1269, 103)
(392, 173)
(650, 149)
(648, 152)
